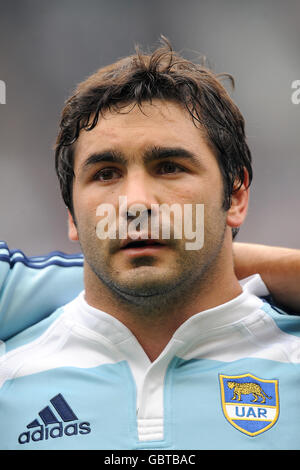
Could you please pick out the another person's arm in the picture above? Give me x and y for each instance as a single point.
(278, 267)
(31, 288)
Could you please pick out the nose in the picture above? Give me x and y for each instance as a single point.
(140, 194)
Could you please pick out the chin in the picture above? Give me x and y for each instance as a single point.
(144, 284)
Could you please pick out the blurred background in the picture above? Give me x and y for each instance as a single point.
(47, 47)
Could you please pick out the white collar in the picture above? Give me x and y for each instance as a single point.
(221, 316)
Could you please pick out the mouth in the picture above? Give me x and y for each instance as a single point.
(142, 245)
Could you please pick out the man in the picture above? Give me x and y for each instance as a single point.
(164, 349)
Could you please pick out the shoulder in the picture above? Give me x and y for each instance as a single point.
(29, 351)
(34, 332)
(287, 321)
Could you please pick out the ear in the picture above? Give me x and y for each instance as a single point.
(72, 229)
(239, 204)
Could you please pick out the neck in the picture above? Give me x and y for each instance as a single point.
(154, 325)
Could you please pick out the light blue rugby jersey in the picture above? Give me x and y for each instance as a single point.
(33, 288)
(228, 379)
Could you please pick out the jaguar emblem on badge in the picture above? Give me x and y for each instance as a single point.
(249, 403)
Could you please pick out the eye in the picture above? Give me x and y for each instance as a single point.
(169, 167)
(107, 174)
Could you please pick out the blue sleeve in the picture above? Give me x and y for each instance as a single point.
(32, 288)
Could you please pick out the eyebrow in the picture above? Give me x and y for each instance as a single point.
(151, 154)
(159, 153)
(105, 156)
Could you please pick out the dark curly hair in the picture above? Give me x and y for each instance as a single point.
(162, 74)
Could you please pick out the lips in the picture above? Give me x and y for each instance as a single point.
(140, 243)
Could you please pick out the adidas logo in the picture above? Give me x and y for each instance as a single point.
(49, 417)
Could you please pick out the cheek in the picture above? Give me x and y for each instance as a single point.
(85, 203)
(85, 220)
(205, 188)
(210, 194)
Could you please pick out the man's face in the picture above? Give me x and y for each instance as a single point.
(152, 156)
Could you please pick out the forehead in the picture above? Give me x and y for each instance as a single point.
(134, 128)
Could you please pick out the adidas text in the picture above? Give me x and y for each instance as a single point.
(59, 430)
